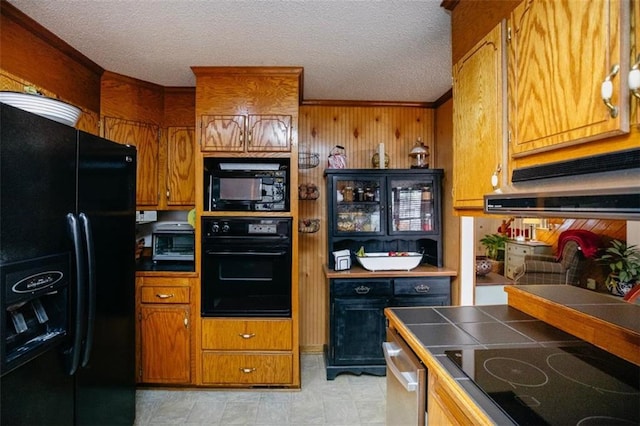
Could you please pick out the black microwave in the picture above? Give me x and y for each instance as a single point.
(245, 185)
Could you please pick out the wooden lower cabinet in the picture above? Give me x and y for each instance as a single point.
(164, 330)
(248, 352)
(442, 406)
(246, 368)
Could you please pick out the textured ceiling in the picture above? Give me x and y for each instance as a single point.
(388, 50)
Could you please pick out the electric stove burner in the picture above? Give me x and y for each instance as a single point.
(515, 372)
(572, 367)
(605, 420)
(573, 385)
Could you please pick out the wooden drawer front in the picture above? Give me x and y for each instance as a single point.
(246, 334)
(363, 288)
(519, 250)
(164, 294)
(422, 286)
(243, 368)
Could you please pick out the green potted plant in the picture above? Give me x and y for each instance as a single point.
(624, 266)
(494, 245)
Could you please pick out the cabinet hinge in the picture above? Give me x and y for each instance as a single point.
(509, 136)
(508, 34)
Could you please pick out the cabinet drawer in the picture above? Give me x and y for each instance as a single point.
(246, 368)
(422, 286)
(164, 294)
(519, 250)
(362, 288)
(232, 334)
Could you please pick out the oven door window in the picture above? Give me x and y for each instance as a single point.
(246, 283)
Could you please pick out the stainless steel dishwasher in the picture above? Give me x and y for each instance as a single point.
(406, 383)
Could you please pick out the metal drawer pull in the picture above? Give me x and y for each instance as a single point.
(164, 296)
(362, 289)
(247, 370)
(422, 288)
(247, 335)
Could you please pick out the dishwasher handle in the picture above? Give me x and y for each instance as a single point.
(408, 379)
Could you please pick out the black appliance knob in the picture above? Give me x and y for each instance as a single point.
(215, 228)
(225, 227)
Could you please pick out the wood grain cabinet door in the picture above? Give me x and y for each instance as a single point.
(165, 342)
(223, 133)
(180, 166)
(559, 54)
(269, 133)
(478, 121)
(145, 137)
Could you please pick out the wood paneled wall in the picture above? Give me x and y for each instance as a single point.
(359, 130)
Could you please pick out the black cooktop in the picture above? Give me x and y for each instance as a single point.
(569, 385)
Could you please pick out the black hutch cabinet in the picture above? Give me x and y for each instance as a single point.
(380, 210)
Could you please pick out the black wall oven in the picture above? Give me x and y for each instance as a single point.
(246, 267)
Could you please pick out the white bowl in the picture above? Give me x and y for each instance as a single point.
(50, 108)
(384, 262)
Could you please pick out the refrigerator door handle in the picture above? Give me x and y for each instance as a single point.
(73, 353)
(91, 295)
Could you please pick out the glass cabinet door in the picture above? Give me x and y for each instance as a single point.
(412, 207)
(359, 205)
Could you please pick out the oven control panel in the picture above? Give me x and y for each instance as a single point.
(262, 228)
(238, 227)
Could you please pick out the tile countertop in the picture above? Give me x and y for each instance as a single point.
(601, 319)
(430, 331)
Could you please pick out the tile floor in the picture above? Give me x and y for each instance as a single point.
(348, 400)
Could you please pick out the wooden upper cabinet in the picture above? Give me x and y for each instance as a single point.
(269, 133)
(478, 121)
(240, 133)
(145, 137)
(559, 54)
(247, 109)
(223, 133)
(180, 178)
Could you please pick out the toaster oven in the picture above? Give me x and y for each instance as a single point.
(173, 242)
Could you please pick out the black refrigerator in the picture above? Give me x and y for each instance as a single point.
(67, 275)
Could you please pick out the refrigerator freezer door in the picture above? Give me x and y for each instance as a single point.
(106, 196)
(38, 174)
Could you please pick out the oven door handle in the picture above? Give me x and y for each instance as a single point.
(245, 253)
(408, 379)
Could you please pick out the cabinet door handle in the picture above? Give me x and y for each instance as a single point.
(634, 78)
(247, 335)
(362, 289)
(164, 296)
(606, 91)
(247, 370)
(422, 288)
(494, 176)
